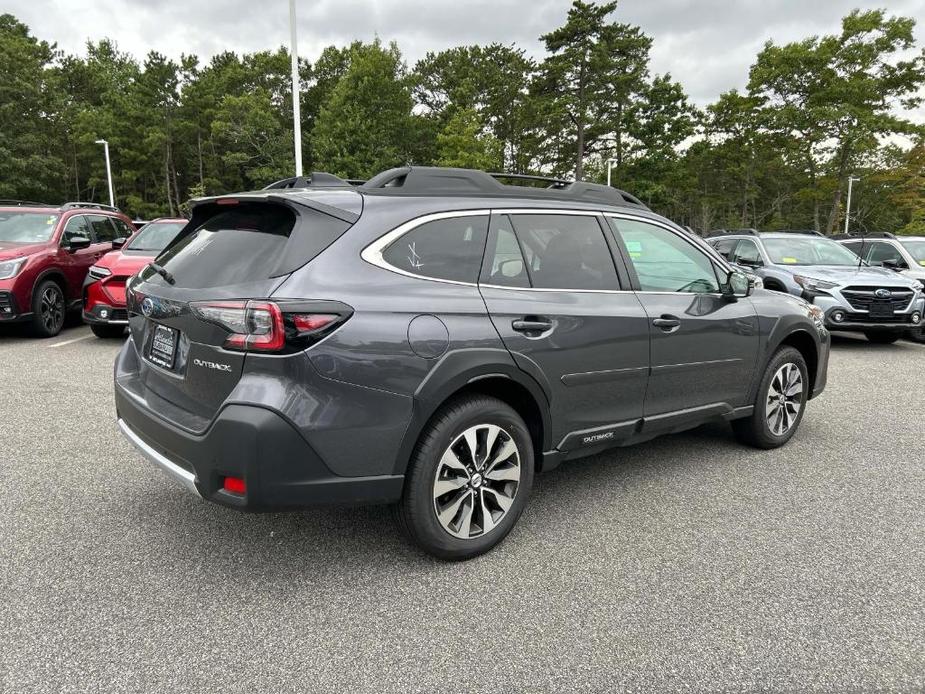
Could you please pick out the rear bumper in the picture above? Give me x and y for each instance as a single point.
(280, 469)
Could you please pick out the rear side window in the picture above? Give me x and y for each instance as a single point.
(445, 249)
(246, 243)
(565, 251)
(505, 266)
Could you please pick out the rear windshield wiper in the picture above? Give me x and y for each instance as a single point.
(163, 273)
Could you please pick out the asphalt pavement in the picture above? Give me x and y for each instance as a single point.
(688, 563)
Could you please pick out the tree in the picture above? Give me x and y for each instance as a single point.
(839, 94)
(462, 144)
(364, 125)
(588, 81)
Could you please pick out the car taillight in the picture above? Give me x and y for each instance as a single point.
(266, 326)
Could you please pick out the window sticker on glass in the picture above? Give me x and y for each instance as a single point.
(634, 248)
(790, 261)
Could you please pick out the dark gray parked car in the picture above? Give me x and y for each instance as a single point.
(434, 337)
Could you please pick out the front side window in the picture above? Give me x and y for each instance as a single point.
(565, 251)
(27, 227)
(808, 251)
(103, 229)
(725, 247)
(879, 252)
(664, 262)
(747, 253)
(444, 249)
(76, 226)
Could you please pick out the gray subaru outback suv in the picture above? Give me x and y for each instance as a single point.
(435, 337)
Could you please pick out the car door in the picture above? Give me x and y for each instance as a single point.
(704, 346)
(552, 290)
(75, 263)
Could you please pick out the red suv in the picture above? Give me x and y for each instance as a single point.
(104, 288)
(45, 253)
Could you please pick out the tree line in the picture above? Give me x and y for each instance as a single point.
(777, 154)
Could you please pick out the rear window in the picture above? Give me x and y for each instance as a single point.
(445, 249)
(154, 237)
(247, 243)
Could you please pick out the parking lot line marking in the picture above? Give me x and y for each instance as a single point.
(69, 342)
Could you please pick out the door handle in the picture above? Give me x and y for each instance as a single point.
(532, 324)
(667, 323)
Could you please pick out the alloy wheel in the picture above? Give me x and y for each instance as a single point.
(476, 482)
(785, 398)
(51, 308)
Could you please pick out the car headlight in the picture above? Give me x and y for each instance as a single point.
(11, 268)
(757, 282)
(813, 284)
(98, 273)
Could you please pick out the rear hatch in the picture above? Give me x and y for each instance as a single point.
(183, 310)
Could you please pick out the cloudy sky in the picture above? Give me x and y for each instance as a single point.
(706, 44)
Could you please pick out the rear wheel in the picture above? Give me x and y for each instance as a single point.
(48, 309)
(108, 332)
(882, 338)
(468, 480)
(779, 404)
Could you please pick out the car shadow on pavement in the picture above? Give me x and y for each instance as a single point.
(324, 544)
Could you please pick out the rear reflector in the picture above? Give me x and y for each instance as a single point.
(235, 485)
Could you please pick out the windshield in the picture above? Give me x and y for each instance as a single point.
(155, 236)
(808, 251)
(27, 227)
(916, 248)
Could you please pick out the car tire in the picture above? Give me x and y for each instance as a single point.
(48, 309)
(769, 426)
(108, 332)
(451, 496)
(882, 338)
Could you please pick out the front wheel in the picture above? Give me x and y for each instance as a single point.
(779, 404)
(881, 338)
(468, 480)
(48, 309)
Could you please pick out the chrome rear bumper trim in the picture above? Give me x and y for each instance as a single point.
(174, 471)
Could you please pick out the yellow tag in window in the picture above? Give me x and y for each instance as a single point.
(790, 261)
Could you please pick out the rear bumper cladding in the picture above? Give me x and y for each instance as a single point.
(281, 471)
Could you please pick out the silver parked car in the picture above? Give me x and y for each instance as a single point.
(877, 301)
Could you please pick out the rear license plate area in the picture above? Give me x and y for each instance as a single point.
(881, 309)
(162, 349)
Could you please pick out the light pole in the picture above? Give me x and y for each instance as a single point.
(851, 180)
(296, 91)
(609, 166)
(112, 198)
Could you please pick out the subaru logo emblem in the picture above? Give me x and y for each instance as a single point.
(147, 306)
(883, 293)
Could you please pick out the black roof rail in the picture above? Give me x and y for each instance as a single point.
(316, 179)
(23, 203)
(88, 206)
(731, 232)
(427, 180)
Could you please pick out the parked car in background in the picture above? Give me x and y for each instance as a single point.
(45, 253)
(904, 254)
(104, 287)
(855, 297)
(434, 337)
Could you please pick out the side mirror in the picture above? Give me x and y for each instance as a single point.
(78, 243)
(893, 264)
(737, 286)
(511, 268)
(118, 243)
